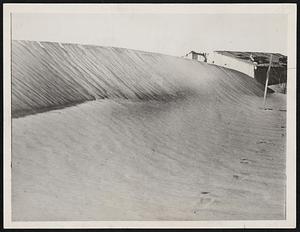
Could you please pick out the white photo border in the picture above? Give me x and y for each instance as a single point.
(288, 9)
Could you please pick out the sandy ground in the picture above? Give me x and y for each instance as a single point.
(188, 159)
(158, 138)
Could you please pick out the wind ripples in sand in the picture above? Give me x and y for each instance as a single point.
(163, 138)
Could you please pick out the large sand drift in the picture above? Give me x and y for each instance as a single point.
(47, 75)
(166, 138)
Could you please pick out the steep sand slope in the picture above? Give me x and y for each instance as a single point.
(47, 75)
(207, 151)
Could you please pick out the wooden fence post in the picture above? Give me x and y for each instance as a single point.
(267, 81)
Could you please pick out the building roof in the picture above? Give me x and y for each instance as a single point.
(261, 58)
(193, 52)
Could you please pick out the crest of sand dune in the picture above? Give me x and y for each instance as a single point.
(156, 138)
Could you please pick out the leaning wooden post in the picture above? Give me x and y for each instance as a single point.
(267, 80)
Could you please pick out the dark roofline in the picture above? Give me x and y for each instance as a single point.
(228, 53)
(245, 56)
(266, 53)
(198, 53)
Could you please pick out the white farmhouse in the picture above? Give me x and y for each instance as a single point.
(253, 64)
(233, 61)
(197, 56)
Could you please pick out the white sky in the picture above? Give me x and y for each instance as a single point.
(173, 34)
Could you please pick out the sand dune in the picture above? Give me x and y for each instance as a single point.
(163, 139)
(47, 75)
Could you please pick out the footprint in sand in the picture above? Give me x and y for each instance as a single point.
(246, 161)
(261, 151)
(204, 202)
(241, 176)
(264, 142)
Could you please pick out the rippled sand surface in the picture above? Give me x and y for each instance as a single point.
(155, 137)
(187, 159)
